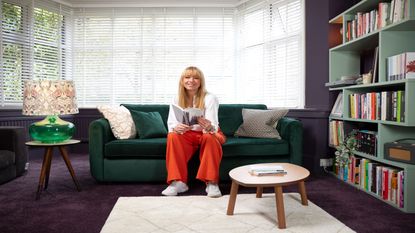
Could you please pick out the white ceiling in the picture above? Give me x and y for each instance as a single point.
(152, 3)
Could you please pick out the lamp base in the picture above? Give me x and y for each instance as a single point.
(52, 129)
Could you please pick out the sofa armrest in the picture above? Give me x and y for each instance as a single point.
(13, 139)
(291, 130)
(99, 134)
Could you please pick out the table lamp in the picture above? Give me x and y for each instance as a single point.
(50, 98)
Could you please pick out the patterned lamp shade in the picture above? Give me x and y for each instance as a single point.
(50, 98)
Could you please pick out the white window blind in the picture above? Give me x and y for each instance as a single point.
(36, 43)
(252, 53)
(52, 41)
(137, 55)
(15, 50)
(270, 53)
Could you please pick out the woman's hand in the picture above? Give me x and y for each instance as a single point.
(181, 128)
(205, 124)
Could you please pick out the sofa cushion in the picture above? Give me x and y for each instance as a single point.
(151, 147)
(230, 116)
(260, 123)
(163, 109)
(254, 147)
(148, 124)
(121, 123)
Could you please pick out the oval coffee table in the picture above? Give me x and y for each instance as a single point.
(295, 175)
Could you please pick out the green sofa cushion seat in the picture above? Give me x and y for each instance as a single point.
(230, 116)
(153, 147)
(255, 146)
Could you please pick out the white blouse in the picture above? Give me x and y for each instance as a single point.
(211, 113)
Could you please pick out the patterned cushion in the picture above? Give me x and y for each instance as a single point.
(260, 123)
(120, 120)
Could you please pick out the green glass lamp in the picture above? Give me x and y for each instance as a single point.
(50, 98)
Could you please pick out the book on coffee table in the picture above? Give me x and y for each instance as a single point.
(262, 170)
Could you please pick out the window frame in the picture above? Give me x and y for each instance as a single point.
(28, 57)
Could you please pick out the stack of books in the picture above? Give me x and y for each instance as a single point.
(262, 170)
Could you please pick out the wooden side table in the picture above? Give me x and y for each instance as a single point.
(47, 161)
(295, 175)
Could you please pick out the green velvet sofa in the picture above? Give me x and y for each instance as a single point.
(143, 160)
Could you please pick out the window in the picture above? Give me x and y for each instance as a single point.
(251, 53)
(15, 51)
(270, 53)
(137, 55)
(35, 44)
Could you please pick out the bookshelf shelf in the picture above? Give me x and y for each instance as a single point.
(374, 121)
(363, 42)
(377, 159)
(354, 56)
(368, 192)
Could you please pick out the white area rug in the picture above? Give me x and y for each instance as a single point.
(203, 214)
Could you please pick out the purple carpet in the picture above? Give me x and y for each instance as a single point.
(62, 209)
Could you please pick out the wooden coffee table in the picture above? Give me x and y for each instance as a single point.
(295, 175)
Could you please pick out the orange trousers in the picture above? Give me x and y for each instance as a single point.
(181, 147)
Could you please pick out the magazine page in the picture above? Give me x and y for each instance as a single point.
(179, 113)
(187, 116)
(192, 114)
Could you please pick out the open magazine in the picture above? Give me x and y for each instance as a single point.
(187, 116)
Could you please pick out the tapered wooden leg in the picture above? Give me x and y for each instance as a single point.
(49, 151)
(68, 164)
(232, 198)
(43, 172)
(301, 187)
(259, 191)
(280, 207)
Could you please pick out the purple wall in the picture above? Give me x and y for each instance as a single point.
(318, 100)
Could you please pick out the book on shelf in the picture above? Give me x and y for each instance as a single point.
(337, 110)
(375, 65)
(336, 132)
(384, 14)
(263, 170)
(384, 181)
(401, 66)
(385, 106)
(366, 142)
(399, 10)
(187, 116)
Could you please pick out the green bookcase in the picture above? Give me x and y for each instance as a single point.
(348, 57)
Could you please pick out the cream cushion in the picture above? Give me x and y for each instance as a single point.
(260, 123)
(121, 122)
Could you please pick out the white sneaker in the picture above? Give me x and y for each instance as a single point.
(213, 190)
(174, 188)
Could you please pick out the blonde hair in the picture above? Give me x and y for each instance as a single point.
(201, 92)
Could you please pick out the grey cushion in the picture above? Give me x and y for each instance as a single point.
(260, 123)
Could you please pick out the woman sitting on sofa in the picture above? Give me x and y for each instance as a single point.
(184, 140)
